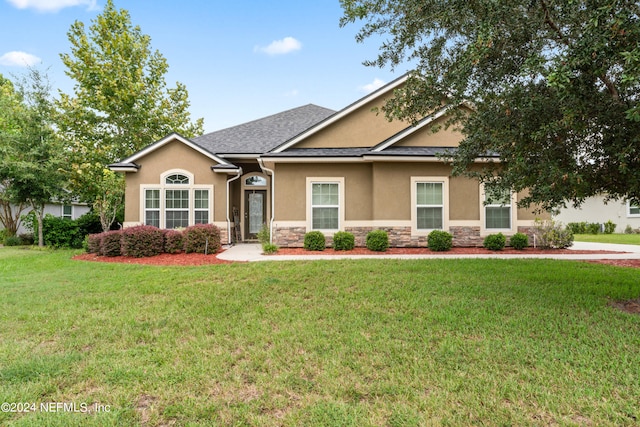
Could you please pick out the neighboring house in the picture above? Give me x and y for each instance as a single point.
(594, 209)
(311, 168)
(72, 210)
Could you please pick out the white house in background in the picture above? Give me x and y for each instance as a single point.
(594, 209)
(72, 210)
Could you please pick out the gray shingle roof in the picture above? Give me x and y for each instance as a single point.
(262, 135)
(320, 152)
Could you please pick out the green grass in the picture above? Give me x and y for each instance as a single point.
(319, 343)
(622, 239)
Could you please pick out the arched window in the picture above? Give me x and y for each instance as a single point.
(255, 180)
(177, 178)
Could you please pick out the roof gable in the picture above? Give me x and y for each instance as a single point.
(340, 115)
(164, 141)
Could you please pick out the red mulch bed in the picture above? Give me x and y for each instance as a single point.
(162, 259)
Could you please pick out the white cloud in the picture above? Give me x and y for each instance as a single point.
(52, 5)
(375, 84)
(19, 59)
(280, 47)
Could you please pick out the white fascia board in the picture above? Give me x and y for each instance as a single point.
(342, 113)
(313, 159)
(123, 168)
(173, 137)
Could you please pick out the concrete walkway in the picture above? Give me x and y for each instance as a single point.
(253, 252)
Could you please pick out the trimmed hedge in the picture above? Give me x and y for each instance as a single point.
(343, 241)
(495, 242)
(142, 241)
(519, 241)
(377, 240)
(314, 241)
(111, 243)
(202, 238)
(94, 243)
(173, 241)
(439, 241)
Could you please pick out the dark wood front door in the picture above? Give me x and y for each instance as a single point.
(255, 212)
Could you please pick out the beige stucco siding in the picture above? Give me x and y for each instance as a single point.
(426, 137)
(174, 155)
(290, 183)
(364, 128)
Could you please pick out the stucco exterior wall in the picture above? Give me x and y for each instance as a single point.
(595, 210)
(174, 155)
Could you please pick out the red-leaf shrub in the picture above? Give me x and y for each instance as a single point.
(110, 243)
(201, 238)
(172, 241)
(142, 241)
(94, 241)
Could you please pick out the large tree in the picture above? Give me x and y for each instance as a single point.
(554, 87)
(121, 101)
(32, 158)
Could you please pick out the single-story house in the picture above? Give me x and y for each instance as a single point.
(595, 210)
(311, 168)
(70, 210)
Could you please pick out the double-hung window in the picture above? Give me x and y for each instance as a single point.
(430, 205)
(633, 210)
(325, 201)
(498, 211)
(67, 212)
(177, 202)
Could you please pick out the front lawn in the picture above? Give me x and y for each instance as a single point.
(622, 239)
(324, 343)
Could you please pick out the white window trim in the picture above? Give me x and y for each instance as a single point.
(162, 187)
(341, 199)
(629, 214)
(444, 180)
(484, 231)
(62, 215)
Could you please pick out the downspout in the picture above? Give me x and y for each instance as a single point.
(229, 203)
(273, 199)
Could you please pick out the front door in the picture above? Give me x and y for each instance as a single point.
(255, 212)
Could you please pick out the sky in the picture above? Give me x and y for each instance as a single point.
(240, 60)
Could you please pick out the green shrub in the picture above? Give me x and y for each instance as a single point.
(314, 241)
(519, 241)
(202, 238)
(61, 232)
(264, 235)
(577, 227)
(269, 248)
(495, 242)
(628, 229)
(439, 241)
(593, 228)
(94, 243)
(27, 238)
(377, 240)
(173, 241)
(141, 241)
(552, 235)
(111, 243)
(89, 223)
(343, 241)
(12, 241)
(609, 227)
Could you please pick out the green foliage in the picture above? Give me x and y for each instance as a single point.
(173, 242)
(202, 238)
(109, 199)
(609, 227)
(120, 98)
(61, 232)
(111, 244)
(629, 230)
(553, 87)
(519, 241)
(12, 241)
(377, 240)
(439, 241)
(495, 242)
(264, 235)
(141, 241)
(314, 241)
(269, 248)
(343, 241)
(550, 234)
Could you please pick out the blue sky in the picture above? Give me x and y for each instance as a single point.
(240, 60)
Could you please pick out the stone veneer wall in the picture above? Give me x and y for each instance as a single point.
(399, 237)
